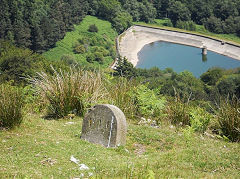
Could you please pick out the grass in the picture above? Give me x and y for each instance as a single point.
(42, 149)
(66, 45)
(159, 23)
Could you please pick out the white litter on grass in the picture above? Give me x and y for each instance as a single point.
(73, 159)
(81, 166)
(70, 123)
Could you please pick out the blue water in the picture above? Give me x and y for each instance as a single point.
(180, 57)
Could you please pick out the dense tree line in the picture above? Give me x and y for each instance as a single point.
(39, 24)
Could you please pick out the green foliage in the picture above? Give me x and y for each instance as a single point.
(69, 59)
(69, 92)
(90, 58)
(17, 64)
(38, 25)
(228, 116)
(11, 105)
(199, 119)
(212, 76)
(122, 21)
(214, 24)
(147, 102)
(187, 25)
(178, 11)
(93, 28)
(79, 49)
(229, 86)
(185, 84)
(178, 112)
(124, 68)
(119, 94)
(103, 39)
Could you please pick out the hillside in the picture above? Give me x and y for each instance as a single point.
(102, 42)
(43, 148)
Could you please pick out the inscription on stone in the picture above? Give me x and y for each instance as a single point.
(106, 125)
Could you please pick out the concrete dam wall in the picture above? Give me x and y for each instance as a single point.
(136, 37)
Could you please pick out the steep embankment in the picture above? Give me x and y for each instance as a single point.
(136, 37)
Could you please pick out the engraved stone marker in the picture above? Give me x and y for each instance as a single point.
(106, 125)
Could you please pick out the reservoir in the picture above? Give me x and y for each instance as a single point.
(181, 57)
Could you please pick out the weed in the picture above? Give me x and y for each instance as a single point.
(228, 117)
(11, 104)
(69, 92)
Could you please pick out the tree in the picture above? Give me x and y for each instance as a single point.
(108, 9)
(214, 24)
(93, 28)
(122, 21)
(17, 64)
(125, 69)
(178, 11)
(212, 76)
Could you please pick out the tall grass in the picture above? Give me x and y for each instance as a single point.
(11, 104)
(228, 117)
(119, 94)
(69, 92)
(178, 112)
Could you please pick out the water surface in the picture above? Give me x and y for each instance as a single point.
(181, 57)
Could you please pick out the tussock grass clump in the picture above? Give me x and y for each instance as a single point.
(119, 94)
(11, 104)
(69, 92)
(178, 112)
(228, 117)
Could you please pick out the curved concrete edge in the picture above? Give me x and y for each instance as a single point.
(137, 36)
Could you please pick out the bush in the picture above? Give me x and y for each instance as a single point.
(11, 104)
(80, 49)
(69, 92)
(228, 117)
(93, 28)
(147, 102)
(99, 57)
(187, 25)
(69, 59)
(90, 58)
(199, 119)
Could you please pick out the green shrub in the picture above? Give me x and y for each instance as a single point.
(69, 59)
(147, 102)
(228, 117)
(11, 104)
(80, 49)
(69, 92)
(199, 119)
(90, 58)
(99, 57)
(93, 28)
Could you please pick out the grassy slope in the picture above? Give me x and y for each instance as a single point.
(200, 30)
(65, 46)
(42, 148)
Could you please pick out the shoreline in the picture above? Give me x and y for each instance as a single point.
(136, 37)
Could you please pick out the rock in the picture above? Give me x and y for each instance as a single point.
(106, 125)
